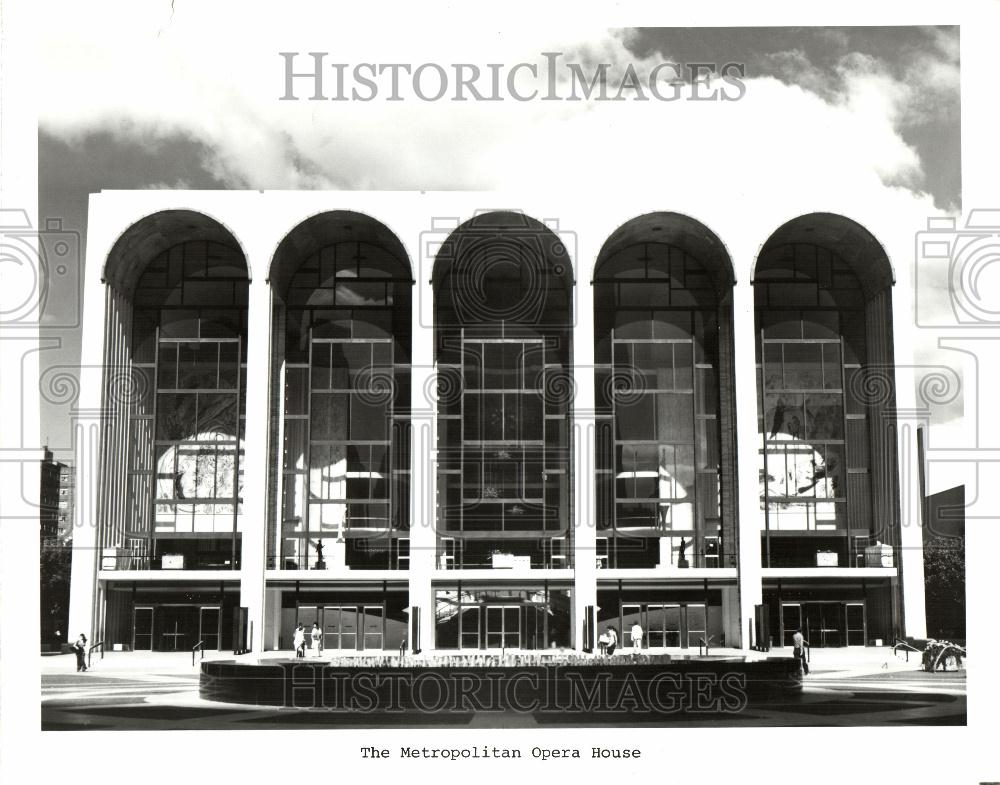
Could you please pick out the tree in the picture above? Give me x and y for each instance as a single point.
(54, 592)
(944, 582)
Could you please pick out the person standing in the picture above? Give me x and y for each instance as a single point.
(299, 641)
(80, 650)
(636, 635)
(316, 635)
(800, 643)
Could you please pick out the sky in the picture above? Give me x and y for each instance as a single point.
(154, 96)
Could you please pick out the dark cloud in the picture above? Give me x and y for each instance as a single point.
(68, 172)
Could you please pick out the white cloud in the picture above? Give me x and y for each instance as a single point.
(152, 75)
(213, 73)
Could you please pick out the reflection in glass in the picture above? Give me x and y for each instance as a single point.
(663, 401)
(185, 436)
(345, 481)
(807, 346)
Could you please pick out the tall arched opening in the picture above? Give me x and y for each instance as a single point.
(503, 287)
(826, 396)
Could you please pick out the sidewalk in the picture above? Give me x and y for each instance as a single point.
(849, 662)
(833, 663)
(135, 663)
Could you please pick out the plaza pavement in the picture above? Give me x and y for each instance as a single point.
(159, 691)
(840, 663)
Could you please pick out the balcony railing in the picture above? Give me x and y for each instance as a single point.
(501, 562)
(808, 550)
(139, 559)
(310, 564)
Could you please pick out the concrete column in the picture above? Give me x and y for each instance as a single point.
(423, 449)
(728, 497)
(273, 618)
(910, 565)
(747, 455)
(87, 438)
(584, 521)
(86, 545)
(255, 456)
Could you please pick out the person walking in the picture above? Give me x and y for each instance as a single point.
(299, 642)
(800, 643)
(612, 640)
(80, 650)
(636, 635)
(316, 635)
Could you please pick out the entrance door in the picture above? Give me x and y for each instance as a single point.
(371, 627)
(503, 627)
(697, 624)
(469, 627)
(664, 625)
(177, 627)
(208, 628)
(791, 620)
(856, 635)
(340, 627)
(824, 623)
(813, 624)
(142, 628)
(834, 628)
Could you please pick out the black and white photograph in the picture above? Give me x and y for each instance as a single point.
(544, 392)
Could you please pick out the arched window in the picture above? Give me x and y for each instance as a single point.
(821, 292)
(661, 303)
(342, 306)
(502, 306)
(186, 423)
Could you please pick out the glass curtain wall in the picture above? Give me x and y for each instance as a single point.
(814, 459)
(345, 458)
(658, 451)
(502, 340)
(189, 334)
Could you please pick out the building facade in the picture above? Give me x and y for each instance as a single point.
(424, 423)
(67, 497)
(55, 535)
(48, 497)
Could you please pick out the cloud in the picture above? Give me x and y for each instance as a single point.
(175, 75)
(212, 74)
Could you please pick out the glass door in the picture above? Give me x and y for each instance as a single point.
(856, 635)
(824, 623)
(696, 624)
(664, 626)
(469, 627)
(833, 623)
(340, 627)
(503, 628)
(371, 627)
(813, 617)
(208, 627)
(178, 626)
(308, 614)
(791, 620)
(142, 628)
